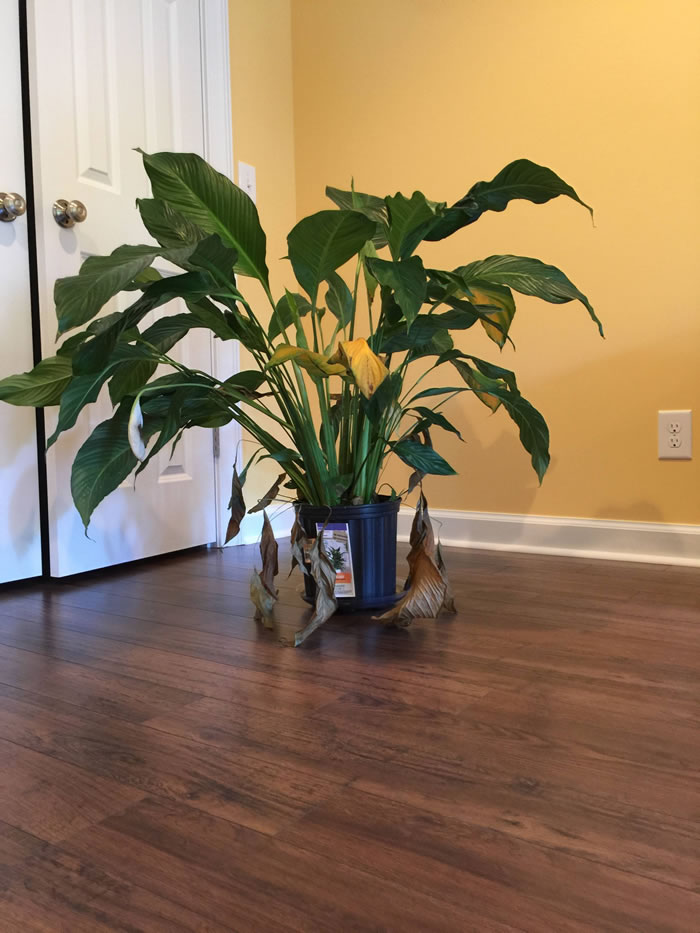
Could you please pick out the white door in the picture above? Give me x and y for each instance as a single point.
(20, 547)
(111, 75)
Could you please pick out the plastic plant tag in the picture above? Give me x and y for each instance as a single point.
(336, 544)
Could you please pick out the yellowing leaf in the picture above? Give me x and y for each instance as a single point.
(316, 364)
(368, 370)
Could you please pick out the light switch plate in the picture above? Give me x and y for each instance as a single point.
(246, 180)
(675, 435)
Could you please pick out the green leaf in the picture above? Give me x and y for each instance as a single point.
(321, 243)
(527, 276)
(103, 462)
(383, 398)
(79, 297)
(41, 386)
(167, 226)
(288, 312)
(428, 393)
(368, 204)
(496, 386)
(339, 299)
(521, 179)
(429, 417)
(95, 353)
(213, 203)
(408, 281)
(423, 458)
(534, 433)
(168, 330)
(409, 220)
(369, 251)
(129, 377)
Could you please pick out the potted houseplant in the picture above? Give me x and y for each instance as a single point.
(329, 399)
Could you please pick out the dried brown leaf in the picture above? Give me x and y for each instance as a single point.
(426, 588)
(263, 591)
(236, 506)
(424, 597)
(448, 603)
(323, 573)
(268, 553)
(298, 541)
(415, 479)
(271, 494)
(263, 600)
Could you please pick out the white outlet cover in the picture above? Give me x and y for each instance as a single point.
(675, 435)
(246, 180)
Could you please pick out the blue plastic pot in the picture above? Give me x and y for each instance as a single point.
(372, 532)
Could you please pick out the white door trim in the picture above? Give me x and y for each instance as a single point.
(644, 542)
(218, 150)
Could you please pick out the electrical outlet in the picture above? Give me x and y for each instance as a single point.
(675, 435)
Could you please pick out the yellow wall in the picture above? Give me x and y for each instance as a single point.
(437, 94)
(263, 136)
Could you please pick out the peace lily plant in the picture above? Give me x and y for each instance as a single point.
(327, 401)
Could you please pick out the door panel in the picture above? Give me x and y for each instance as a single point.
(20, 546)
(132, 78)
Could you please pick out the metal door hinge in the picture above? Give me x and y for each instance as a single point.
(216, 443)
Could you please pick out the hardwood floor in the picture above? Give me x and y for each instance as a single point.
(531, 764)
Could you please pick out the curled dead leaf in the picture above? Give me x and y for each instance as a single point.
(263, 591)
(323, 573)
(426, 590)
(448, 603)
(236, 506)
(298, 540)
(271, 494)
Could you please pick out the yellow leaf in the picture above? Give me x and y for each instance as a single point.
(368, 370)
(316, 364)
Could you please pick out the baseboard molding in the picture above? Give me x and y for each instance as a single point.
(647, 542)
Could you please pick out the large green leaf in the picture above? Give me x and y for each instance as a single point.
(41, 386)
(527, 276)
(406, 279)
(289, 309)
(213, 203)
(521, 179)
(79, 297)
(429, 417)
(422, 457)
(167, 226)
(498, 384)
(409, 220)
(95, 353)
(368, 204)
(103, 462)
(339, 299)
(84, 389)
(321, 243)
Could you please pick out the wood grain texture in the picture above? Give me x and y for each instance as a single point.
(530, 764)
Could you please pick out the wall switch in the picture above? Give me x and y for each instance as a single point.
(675, 435)
(246, 180)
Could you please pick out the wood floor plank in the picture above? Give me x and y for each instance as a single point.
(460, 862)
(51, 799)
(528, 765)
(236, 786)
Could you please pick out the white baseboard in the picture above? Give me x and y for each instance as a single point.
(648, 542)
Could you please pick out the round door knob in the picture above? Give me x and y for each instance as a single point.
(12, 206)
(69, 213)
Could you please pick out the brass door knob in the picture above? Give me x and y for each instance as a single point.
(69, 213)
(12, 206)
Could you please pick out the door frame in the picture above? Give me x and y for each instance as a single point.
(218, 150)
